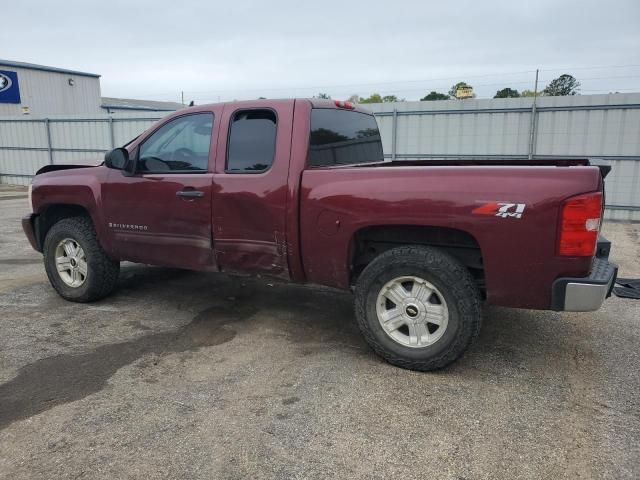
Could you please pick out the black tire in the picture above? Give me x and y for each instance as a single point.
(102, 271)
(454, 283)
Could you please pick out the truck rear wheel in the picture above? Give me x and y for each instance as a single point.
(418, 307)
(77, 266)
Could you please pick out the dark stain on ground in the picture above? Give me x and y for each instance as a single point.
(290, 400)
(20, 261)
(66, 378)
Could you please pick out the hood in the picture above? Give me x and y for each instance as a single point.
(53, 168)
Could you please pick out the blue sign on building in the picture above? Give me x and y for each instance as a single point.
(9, 88)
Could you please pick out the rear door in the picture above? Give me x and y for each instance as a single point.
(162, 214)
(250, 187)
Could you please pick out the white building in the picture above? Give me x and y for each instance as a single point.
(41, 91)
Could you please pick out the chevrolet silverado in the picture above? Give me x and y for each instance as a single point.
(299, 190)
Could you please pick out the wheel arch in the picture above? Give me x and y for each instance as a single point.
(50, 214)
(369, 242)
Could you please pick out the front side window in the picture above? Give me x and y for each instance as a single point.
(182, 145)
(252, 141)
(343, 137)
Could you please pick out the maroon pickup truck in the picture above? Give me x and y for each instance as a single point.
(299, 190)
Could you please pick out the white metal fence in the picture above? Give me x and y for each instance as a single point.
(29, 144)
(606, 127)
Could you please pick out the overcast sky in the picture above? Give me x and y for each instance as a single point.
(246, 49)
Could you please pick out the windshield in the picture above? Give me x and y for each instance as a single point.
(343, 137)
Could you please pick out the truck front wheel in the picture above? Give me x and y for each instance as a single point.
(418, 307)
(77, 266)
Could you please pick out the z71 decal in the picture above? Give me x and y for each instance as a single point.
(501, 209)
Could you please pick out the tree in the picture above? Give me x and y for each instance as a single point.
(453, 92)
(529, 93)
(353, 98)
(433, 95)
(565, 84)
(325, 96)
(377, 98)
(374, 98)
(507, 93)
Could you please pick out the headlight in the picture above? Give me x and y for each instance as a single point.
(29, 193)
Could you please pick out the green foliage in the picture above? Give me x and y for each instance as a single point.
(325, 96)
(433, 95)
(507, 93)
(374, 98)
(377, 98)
(565, 84)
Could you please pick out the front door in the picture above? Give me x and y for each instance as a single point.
(250, 188)
(161, 215)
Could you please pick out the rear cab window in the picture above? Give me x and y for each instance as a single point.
(343, 137)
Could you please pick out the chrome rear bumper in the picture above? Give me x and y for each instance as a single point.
(588, 293)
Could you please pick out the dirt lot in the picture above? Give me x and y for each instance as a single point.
(190, 375)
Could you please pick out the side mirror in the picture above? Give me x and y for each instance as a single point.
(118, 159)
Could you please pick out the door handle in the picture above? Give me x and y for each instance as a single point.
(190, 193)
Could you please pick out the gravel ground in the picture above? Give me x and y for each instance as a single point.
(191, 375)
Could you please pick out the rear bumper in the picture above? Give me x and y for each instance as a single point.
(585, 294)
(30, 226)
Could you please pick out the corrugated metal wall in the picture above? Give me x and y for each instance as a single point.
(599, 126)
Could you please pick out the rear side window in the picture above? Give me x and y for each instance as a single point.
(343, 137)
(252, 141)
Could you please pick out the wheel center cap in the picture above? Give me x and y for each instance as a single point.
(73, 262)
(412, 310)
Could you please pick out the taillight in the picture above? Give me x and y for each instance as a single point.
(580, 225)
(343, 104)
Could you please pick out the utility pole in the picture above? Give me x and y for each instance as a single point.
(182, 97)
(532, 129)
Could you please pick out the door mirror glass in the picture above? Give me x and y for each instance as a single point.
(117, 158)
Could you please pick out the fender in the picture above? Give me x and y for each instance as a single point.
(82, 188)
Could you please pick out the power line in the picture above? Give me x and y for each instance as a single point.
(398, 82)
(423, 89)
(197, 95)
